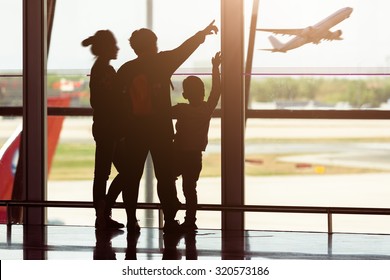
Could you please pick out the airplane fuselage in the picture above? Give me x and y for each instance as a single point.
(321, 28)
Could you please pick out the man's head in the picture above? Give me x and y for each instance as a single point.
(193, 89)
(143, 41)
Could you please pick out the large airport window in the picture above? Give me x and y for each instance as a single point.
(322, 57)
(11, 96)
(328, 156)
(317, 90)
(11, 54)
(72, 163)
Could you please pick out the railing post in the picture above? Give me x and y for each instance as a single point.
(160, 218)
(330, 225)
(9, 215)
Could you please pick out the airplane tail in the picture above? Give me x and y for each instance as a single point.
(9, 154)
(10, 187)
(275, 43)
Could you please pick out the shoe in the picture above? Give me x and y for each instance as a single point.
(133, 228)
(107, 223)
(172, 227)
(103, 217)
(110, 223)
(188, 226)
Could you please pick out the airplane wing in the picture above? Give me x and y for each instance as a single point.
(283, 31)
(269, 50)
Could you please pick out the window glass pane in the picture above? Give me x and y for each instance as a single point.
(11, 88)
(69, 63)
(359, 48)
(11, 34)
(351, 73)
(173, 21)
(314, 162)
(320, 92)
(14, 240)
(11, 55)
(335, 163)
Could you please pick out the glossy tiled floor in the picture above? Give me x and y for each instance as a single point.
(83, 243)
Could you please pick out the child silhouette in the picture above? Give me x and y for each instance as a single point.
(192, 126)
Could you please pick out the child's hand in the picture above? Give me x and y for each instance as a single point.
(211, 29)
(216, 60)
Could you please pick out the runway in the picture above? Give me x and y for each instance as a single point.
(79, 129)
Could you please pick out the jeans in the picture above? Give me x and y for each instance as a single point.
(188, 164)
(147, 135)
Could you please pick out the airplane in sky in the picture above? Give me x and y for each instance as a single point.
(311, 34)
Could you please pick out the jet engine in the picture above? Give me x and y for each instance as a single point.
(336, 35)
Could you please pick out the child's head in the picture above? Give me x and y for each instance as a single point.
(103, 44)
(193, 89)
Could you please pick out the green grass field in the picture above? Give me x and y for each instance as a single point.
(76, 162)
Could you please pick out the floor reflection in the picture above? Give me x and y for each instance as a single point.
(131, 249)
(103, 249)
(19, 242)
(190, 242)
(171, 242)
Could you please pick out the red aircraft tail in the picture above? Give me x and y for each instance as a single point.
(9, 154)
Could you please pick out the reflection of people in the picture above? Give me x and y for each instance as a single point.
(191, 250)
(103, 249)
(106, 104)
(146, 80)
(131, 250)
(190, 140)
(171, 241)
(170, 251)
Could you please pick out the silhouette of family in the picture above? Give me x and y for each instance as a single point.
(132, 116)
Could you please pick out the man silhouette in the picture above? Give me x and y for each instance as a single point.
(146, 80)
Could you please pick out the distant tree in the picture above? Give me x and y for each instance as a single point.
(359, 92)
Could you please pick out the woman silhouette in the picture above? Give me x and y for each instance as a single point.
(107, 121)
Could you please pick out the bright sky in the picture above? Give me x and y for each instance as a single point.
(366, 41)
(366, 38)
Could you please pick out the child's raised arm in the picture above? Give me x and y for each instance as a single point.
(216, 82)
